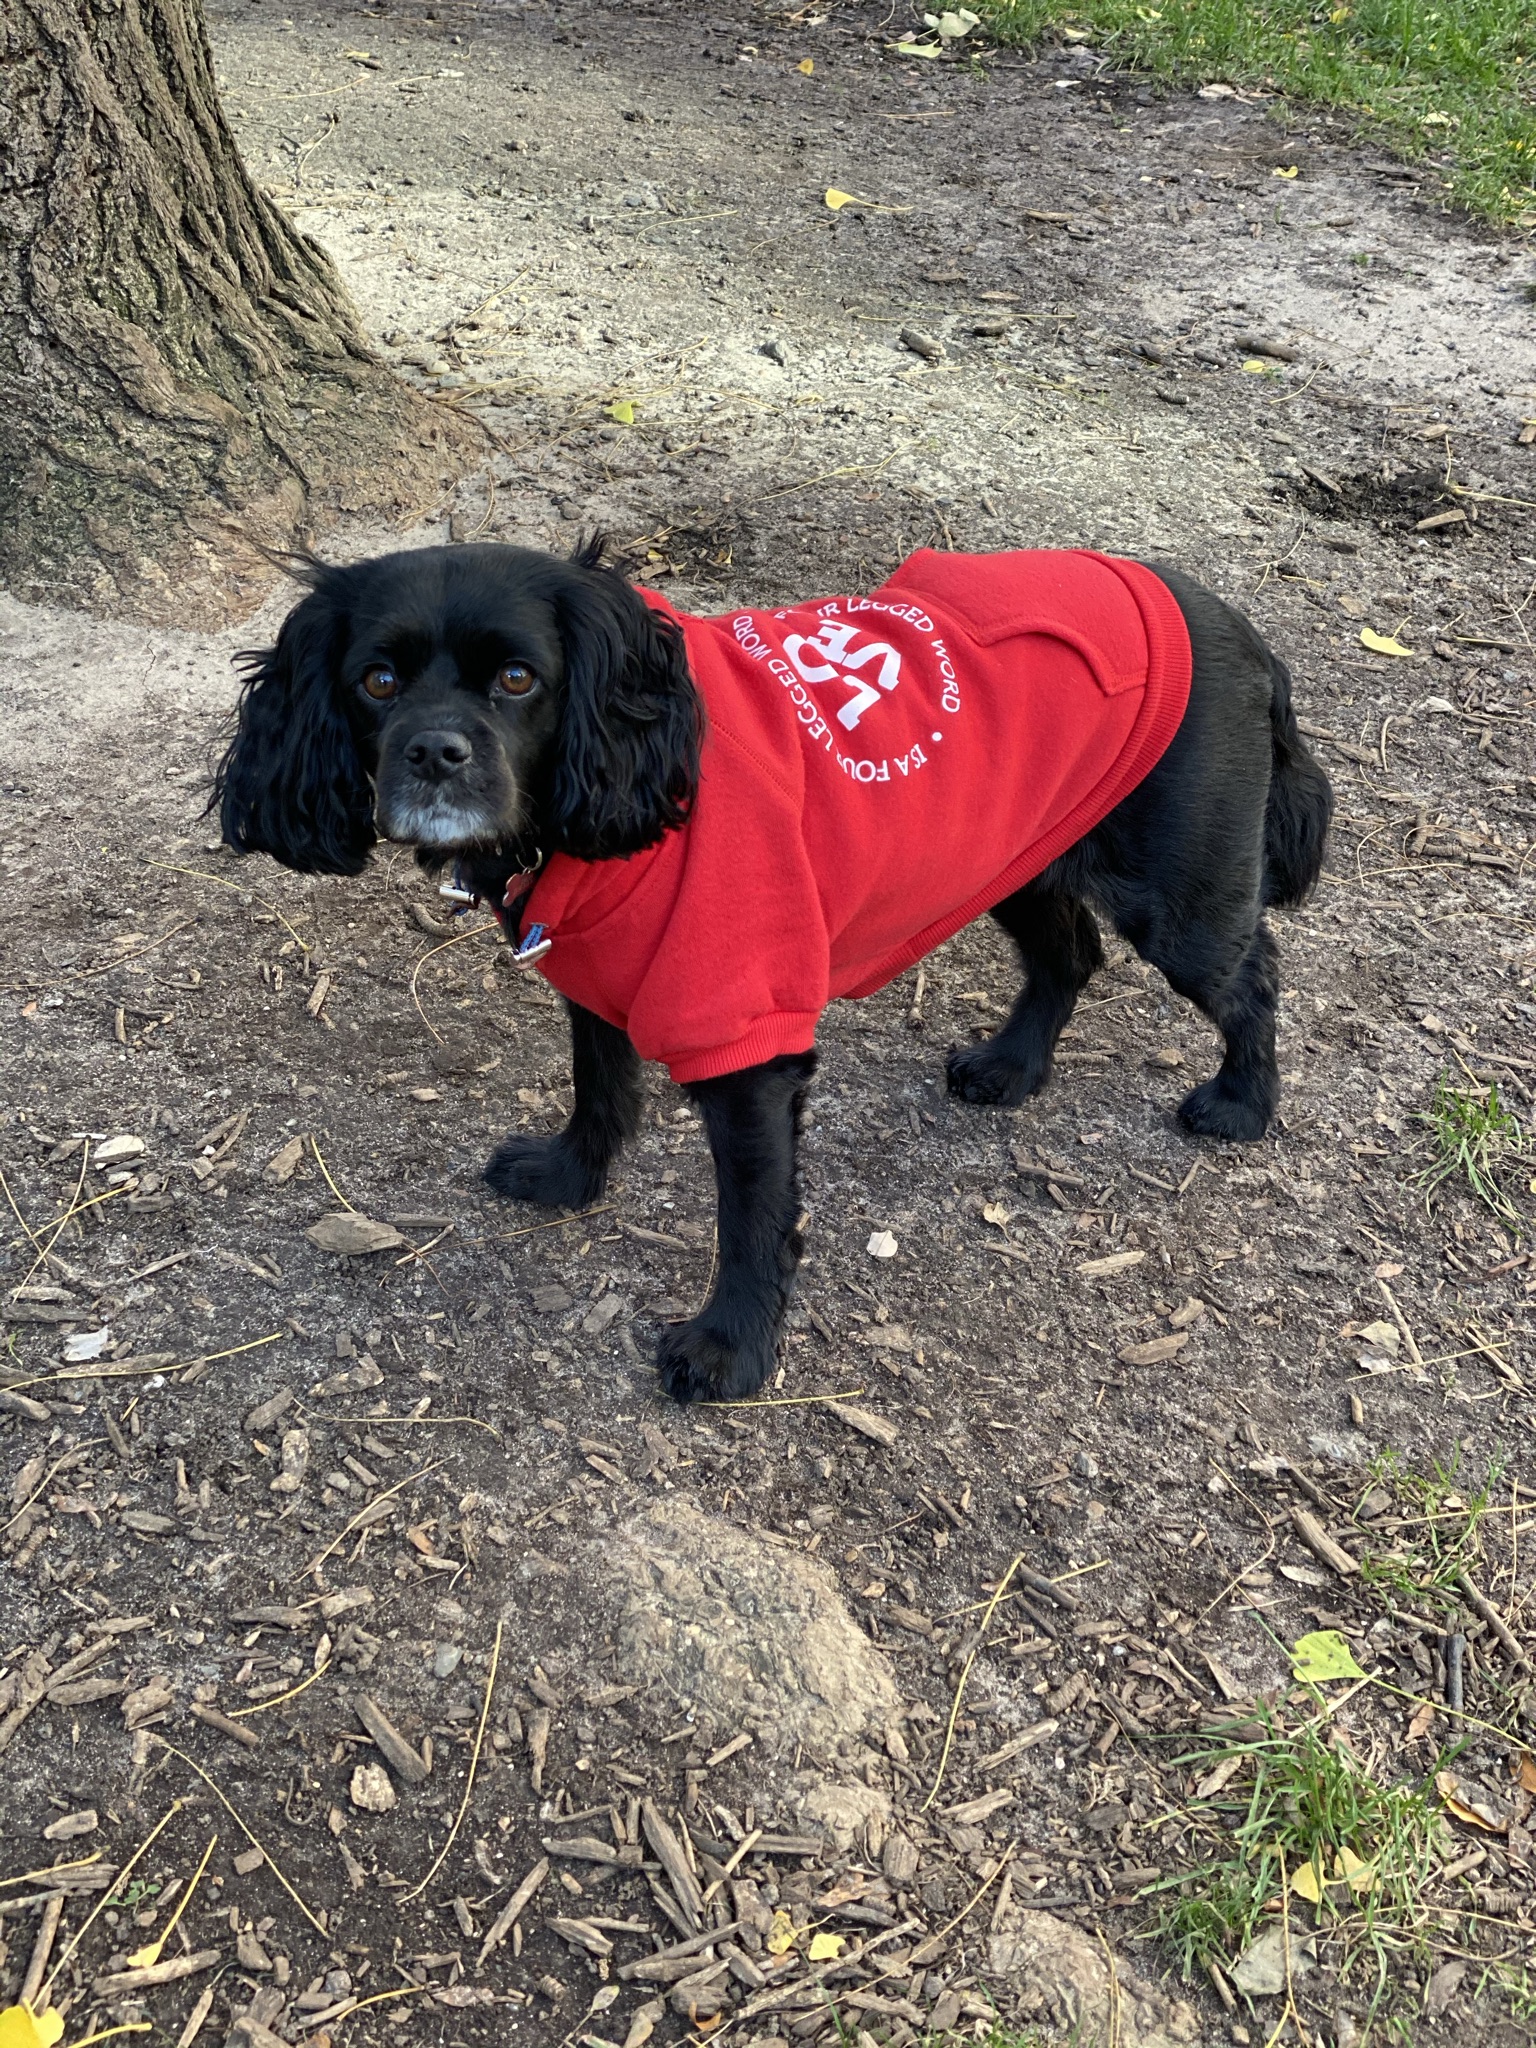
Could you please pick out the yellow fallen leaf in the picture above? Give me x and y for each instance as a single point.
(1307, 1883)
(21, 2027)
(1286, 171)
(838, 200)
(1257, 367)
(824, 1947)
(1448, 1785)
(807, 65)
(1384, 643)
(1525, 1776)
(781, 1938)
(622, 410)
(1359, 1875)
(918, 49)
(1322, 1656)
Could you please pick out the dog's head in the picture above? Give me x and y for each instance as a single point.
(462, 700)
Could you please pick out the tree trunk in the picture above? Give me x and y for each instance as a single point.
(182, 378)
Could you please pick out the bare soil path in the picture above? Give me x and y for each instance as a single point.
(603, 229)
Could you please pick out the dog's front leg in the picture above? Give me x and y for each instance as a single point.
(570, 1169)
(753, 1119)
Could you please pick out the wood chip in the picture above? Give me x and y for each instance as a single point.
(970, 1812)
(1321, 1544)
(352, 1234)
(875, 1427)
(237, 1731)
(405, 1761)
(284, 1162)
(1041, 1732)
(169, 1972)
(1155, 1352)
(669, 1853)
(1116, 1262)
(503, 1924)
(36, 1682)
(581, 1934)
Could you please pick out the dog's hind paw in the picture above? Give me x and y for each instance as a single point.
(697, 1363)
(1213, 1112)
(543, 1170)
(987, 1073)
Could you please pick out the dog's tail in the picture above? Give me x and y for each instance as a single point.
(1300, 805)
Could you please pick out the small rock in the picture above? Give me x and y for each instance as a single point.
(249, 1952)
(551, 1300)
(247, 1861)
(446, 1659)
(1168, 1056)
(114, 1151)
(373, 1789)
(1085, 1465)
(1339, 1448)
(775, 352)
(922, 345)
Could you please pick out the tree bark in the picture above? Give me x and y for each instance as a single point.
(182, 378)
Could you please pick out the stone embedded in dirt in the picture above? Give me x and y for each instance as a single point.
(757, 1636)
(353, 1234)
(373, 1789)
(115, 1151)
(551, 1300)
(247, 1861)
(845, 1812)
(446, 1659)
(1066, 1977)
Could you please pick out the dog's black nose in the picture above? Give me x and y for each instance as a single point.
(436, 756)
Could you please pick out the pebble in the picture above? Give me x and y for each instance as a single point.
(446, 1659)
(113, 1151)
(373, 1789)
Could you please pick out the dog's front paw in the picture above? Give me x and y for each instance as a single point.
(699, 1362)
(988, 1073)
(1213, 1111)
(544, 1170)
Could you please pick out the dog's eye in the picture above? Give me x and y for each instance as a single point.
(381, 683)
(515, 679)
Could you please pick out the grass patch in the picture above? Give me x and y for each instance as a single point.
(1473, 1140)
(1300, 1801)
(1454, 81)
(1440, 1538)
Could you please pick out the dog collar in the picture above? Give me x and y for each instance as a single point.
(531, 949)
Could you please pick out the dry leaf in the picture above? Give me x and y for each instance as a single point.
(825, 1948)
(1525, 1772)
(1464, 1803)
(1423, 1720)
(882, 1245)
(21, 2027)
(1383, 643)
(348, 1231)
(994, 1212)
(806, 66)
(780, 1939)
(622, 410)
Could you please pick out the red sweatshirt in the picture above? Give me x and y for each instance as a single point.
(877, 772)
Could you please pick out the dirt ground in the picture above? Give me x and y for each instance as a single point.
(1135, 329)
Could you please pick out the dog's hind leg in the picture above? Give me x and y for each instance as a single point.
(1058, 943)
(1240, 1098)
(569, 1170)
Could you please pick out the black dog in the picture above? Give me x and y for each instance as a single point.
(493, 706)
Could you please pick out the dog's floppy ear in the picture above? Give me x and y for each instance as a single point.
(292, 783)
(629, 754)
